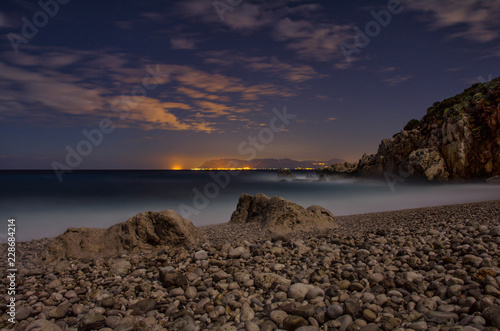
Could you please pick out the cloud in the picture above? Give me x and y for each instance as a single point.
(396, 80)
(124, 25)
(291, 72)
(332, 119)
(220, 84)
(478, 20)
(248, 17)
(294, 73)
(307, 34)
(64, 87)
(388, 69)
(318, 41)
(182, 43)
(151, 113)
(24, 91)
(153, 16)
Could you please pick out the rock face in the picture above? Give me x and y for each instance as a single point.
(458, 138)
(280, 215)
(143, 231)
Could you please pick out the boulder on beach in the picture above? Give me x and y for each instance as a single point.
(143, 231)
(279, 215)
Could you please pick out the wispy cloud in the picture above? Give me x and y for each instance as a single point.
(301, 28)
(479, 20)
(182, 43)
(289, 71)
(70, 87)
(314, 41)
(396, 80)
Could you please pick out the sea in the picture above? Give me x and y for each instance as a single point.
(43, 206)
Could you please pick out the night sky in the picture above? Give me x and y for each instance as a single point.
(129, 84)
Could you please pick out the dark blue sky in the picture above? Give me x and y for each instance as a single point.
(205, 80)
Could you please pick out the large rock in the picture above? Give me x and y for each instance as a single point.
(280, 215)
(146, 230)
(429, 163)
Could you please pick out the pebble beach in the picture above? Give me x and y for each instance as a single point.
(431, 268)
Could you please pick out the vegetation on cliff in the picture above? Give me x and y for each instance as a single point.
(458, 138)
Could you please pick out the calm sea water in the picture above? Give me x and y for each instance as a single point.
(44, 207)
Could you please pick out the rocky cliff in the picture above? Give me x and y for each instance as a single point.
(458, 138)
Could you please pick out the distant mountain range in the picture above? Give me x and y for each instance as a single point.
(266, 164)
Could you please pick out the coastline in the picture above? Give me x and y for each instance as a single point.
(416, 269)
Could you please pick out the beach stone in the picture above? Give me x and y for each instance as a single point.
(315, 292)
(250, 326)
(190, 292)
(143, 306)
(492, 316)
(298, 291)
(415, 277)
(470, 259)
(176, 292)
(441, 317)
(370, 327)
(418, 326)
(278, 266)
(201, 255)
(454, 290)
(293, 322)
(70, 295)
(108, 302)
(362, 253)
(345, 321)
(278, 316)
(60, 311)
(91, 321)
(236, 252)
(120, 267)
(335, 311)
(112, 321)
(307, 328)
(247, 314)
(44, 325)
(352, 306)
(172, 278)
(495, 231)
(369, 315)
(22, 313)
(79, 309)
(389, 323)
(367, 297)
(376, 277)
(184, 323)
(305, 311)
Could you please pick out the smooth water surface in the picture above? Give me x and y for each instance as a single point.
(44, 207)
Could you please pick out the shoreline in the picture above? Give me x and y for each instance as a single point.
(425, 268)
(386, 213)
